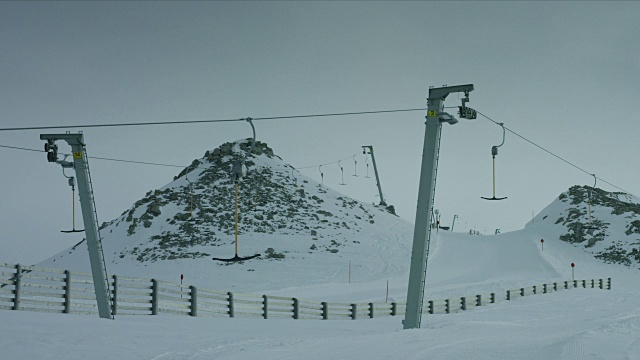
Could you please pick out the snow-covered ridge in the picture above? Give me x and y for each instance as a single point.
(605, 224)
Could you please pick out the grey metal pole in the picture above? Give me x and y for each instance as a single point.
(426, 192)
(375, 170)
(89, 217)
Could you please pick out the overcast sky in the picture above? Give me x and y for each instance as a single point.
(563, 74)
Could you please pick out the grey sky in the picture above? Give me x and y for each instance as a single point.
(562, 74)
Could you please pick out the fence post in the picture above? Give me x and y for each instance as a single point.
(371, 310)
(114, 302)
(600, 285)
(265, 305)
(394, 309)
(447, 309)
(463, 303)
(325, 310)
(16, 298)
(493, 298)
(535, 289)
(521, 291)
(575, 284)
(584, 284)
(544, 288)
(608, 283)
(194, 300)
(231, 309)
(296, 309)
(354, 311)
(478, 300)
(154, 297)
(555, 286)
(593, 283)
(431, 307)
(566, 285)
(508, 294)
(67, 292)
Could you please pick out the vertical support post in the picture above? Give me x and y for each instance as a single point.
(89, 217)
(478, 300)
(493, 298)
(67, 291)
(296, 309)
(600, 284)
(325, 311)
(566, 285)
(394, 308)
(508, 294)
(265, 307)
(593, 283)
(354, 311)
(608, 283)
(535, 289)
(194, 300)
(447, 307)
(430, 307)
(544, 288)
(575, 284)
(154, 297)
(371, 310)
(17, 286)
(584, 284)
(231, 305)
(426, 193)
(521, 291)
(555, 286)
(114, 302)
(463, 303)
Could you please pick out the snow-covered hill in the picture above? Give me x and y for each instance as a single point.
(606, 224)
(306, 232)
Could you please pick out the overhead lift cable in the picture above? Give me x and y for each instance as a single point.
(208, 121)
(554, 155)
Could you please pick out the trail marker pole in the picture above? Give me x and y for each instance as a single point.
(387, 297)
(542, 242)
(572, 273)
(422, 228)
(181, 278)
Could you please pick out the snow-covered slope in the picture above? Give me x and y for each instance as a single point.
(573, 324)
(613, 232)
(306, 232)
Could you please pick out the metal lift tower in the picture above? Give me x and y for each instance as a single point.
(422, 230)
(89, 216)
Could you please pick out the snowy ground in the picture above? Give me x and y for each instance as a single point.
(570, 324)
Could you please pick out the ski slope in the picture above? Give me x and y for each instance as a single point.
(573, 324)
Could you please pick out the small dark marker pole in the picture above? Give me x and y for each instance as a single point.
(542, 242)
(387, 298)
(181, 278)
(572, 272)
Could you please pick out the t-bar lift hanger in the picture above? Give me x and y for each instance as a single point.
(72, 183)
(239, 170)
(494, 152)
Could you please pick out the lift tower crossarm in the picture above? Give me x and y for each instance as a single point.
(426, 192)
(96, 257)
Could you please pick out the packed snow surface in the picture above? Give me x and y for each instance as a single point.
(570, 324)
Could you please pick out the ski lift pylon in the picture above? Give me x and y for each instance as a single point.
(494, 152)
